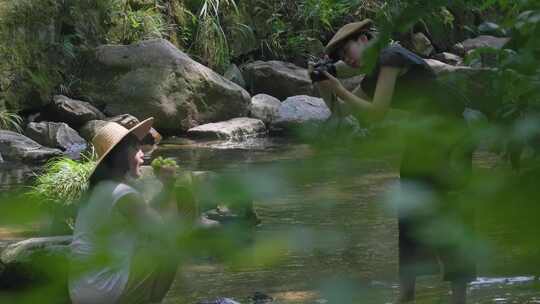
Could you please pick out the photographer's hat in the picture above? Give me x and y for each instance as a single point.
(344, 33)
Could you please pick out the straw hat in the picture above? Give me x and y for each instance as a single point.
(112, 133)
(344, 33)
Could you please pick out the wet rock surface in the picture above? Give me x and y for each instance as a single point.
(277, 78)
(235, 129)
(17, 147)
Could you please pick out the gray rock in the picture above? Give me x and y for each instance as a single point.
(441, 68)
(35, 117)
(89, 129)
(277, 78)
(234, 74)
(15, 146)
(154, 78)
(484, 41)
(129, 121)
(490, 28)
(1, 159)
(37, 262)
(21, 251)
(73, 112)
(448, 58)
(474, 85)
(126, 120)
(297, 110)
(57, 135)
(235, 129)
(421, 44)
(264, 107)
(458, 49)
(484, 59)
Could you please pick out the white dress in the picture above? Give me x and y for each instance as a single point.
(102, 247)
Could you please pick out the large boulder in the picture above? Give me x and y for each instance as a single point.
(89, 129)
(15, 146)
(235, 129)
(20, 252)
(492, 29)
(234, 74)
(448, 58)
(154, 78)
(126, 120)
(483, 41)
(73, 112)
(443, 68)
(421, 44)
(57, 135)
(297, 110)
(129, 121)
(264, 107)
(277, 78)
(473, 84)
(37, 262)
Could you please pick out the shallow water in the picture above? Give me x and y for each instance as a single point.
(341, 237)
(324, 218)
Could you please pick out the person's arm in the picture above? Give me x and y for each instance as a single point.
(383, 94)
(165, 201)
(140, 215)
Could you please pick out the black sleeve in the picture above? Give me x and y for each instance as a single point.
(397, 56)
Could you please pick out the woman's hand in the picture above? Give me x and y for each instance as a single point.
(332, 83)
(167, 175)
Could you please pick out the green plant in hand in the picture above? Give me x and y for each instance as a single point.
(164, 168)
(160, 162)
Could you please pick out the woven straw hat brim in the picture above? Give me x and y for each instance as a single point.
(114, 133)
(344, 33)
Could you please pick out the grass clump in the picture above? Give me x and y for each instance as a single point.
(63, 181)
(10, 121)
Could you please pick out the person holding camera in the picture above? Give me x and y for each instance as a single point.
(437, 157)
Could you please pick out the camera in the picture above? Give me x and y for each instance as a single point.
(318, 67)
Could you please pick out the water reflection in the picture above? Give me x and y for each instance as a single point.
(15, 174)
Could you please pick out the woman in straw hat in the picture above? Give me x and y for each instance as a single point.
(112, 256)
(401, 79)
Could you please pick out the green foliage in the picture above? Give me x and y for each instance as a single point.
(47, 40)
(210, 41)
(291, 27)
(30, 59)
(63, 181)
(10, 121)
(135, 23)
